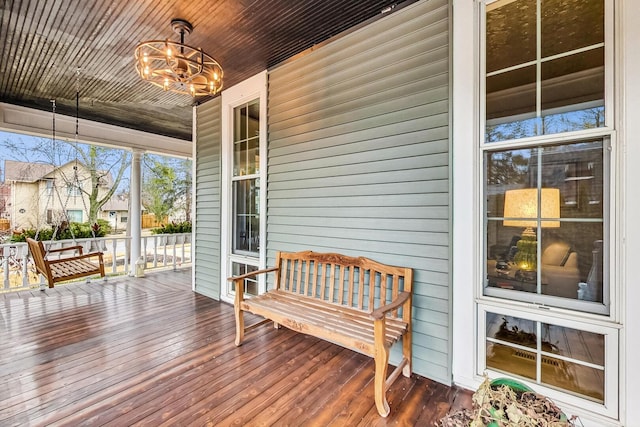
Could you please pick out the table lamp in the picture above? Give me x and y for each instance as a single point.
(521, 210)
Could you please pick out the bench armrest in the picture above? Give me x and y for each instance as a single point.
(380, 312)
(240, 279)
(251, 274)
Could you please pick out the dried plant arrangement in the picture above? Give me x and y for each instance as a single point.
(499, 404)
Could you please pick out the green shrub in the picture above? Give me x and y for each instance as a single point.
(173, 227)
(75, 229)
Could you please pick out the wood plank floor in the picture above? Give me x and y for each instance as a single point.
(152, 352)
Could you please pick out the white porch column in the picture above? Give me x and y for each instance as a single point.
(135, 208)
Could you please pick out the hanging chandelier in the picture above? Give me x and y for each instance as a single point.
(178, 67)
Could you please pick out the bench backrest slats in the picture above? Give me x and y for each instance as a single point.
(359, 282)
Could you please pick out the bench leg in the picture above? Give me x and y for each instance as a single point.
(239, 324)
(382, 362)
(406, 352)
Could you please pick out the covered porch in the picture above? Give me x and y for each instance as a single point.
(150, 351)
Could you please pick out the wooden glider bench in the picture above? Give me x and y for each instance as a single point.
(59, 270)
(357, 303)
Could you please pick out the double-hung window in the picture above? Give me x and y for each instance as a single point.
(547, 150)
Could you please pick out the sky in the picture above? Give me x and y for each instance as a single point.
(28, 141)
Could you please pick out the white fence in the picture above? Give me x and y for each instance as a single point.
(161, 251)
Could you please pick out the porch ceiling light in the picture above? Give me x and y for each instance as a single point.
(178, 67)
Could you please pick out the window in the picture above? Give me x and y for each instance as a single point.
(74, 215)
(49, 187)
(546, 151)
(544, 67)
(74, 190)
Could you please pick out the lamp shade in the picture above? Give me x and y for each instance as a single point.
(521, 204)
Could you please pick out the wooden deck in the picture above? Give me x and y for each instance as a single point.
(151, 352)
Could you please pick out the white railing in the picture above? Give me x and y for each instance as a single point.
(161, 251)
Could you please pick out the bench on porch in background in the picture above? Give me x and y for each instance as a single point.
(357, 303)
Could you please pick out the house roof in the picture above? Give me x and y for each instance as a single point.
(25, 172)
(116, 203)
(32, 172)
(52, 49)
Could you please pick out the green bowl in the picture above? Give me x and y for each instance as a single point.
(516, 386)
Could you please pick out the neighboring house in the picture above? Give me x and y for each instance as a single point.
(44, 194)
(400, 141)
(116, 211)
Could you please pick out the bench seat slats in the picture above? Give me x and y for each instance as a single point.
(325, 319)
(73, 267)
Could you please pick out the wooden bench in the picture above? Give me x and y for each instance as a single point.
(59, 270)
(357, 303)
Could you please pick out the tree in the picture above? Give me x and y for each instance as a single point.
(102, 163)
(159, 192)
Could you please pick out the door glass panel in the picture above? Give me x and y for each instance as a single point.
(246, 218)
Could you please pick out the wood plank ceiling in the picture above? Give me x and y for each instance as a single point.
(51, 49)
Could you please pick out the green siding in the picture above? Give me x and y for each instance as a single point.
(207, 199)
(358, 159)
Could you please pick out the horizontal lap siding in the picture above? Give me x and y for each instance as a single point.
(358, 159)
(207, 199)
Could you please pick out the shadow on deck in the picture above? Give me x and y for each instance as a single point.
(149, 351)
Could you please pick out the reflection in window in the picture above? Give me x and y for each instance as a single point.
(547, 82)
(545, 220)
(569, 359)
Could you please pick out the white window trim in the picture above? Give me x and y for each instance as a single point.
(467, 133)
(252, 88)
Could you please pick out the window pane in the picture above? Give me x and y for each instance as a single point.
(571, 24)
(246, 155)
(577, 169)
(246, 216)
(508, 169)
(573, 343)
(250, 284)
(510, 360)
(512, 329)
(240, 124)
(511, 34)
(512, 93)
(574, 377)
(573, 83)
